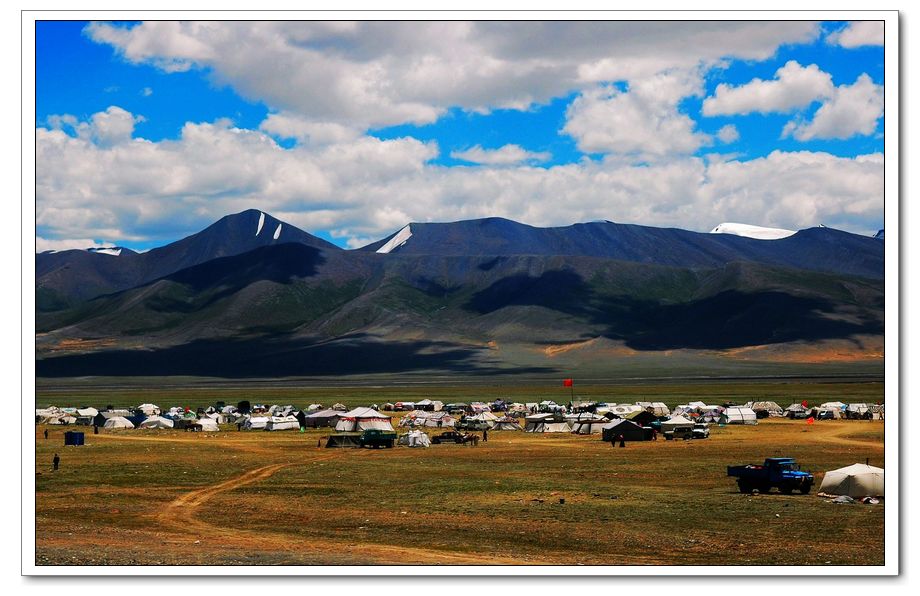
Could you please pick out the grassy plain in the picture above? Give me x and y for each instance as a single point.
(168, 497)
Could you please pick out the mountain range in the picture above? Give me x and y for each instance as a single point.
(251, 296)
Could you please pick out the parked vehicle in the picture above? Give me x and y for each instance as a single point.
(781, 472)
(450, 436)
(375, 438)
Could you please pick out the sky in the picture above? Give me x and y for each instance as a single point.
(147, 132)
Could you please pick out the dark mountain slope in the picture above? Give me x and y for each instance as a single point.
(817, 249)
(68, 277)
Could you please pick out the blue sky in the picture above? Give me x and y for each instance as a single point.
(348, 135)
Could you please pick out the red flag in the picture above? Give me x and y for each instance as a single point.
(811, 420)
(566, 382)
(804, 403)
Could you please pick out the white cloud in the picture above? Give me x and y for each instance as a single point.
(146, 91)
(793, 87)
(369, 74)
(642, 122)
(728, 134)
(853, 110)
(367, 188)
(286, 125)
(858, 34)
(43, 244)
(506, 155)
(114, 125)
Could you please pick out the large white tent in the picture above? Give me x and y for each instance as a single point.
(858, 480)
(735, 415)
(282, 423)
(156, 422)
(208, 424)
(361, 419)
(675, 422)
(118, 422)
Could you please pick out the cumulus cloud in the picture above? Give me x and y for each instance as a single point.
(114, 125)
(793, 87)
(728, 134)
(858, 34)
(367, 188)
(368, 74)
(643, 121)
(286, 125)
(853, 110)
(506, 155)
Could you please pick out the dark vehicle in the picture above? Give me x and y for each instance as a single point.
(375, 438)
(450, 436)
(473, 425)
(781, 472)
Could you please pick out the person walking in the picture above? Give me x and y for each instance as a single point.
(622, 441)
(56, 461)
(46, 434)
(485, 435)
(95, 429)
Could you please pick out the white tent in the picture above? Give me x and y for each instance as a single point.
(858, 480)
(255, 423)
(60, 419)
(623, 410)
(588, 425)
(675, 422)
(91, 412)
(415, 438)
(282, 423)
(772, 408)
(735, 415)
(313, 407)
(156, 422)
(837, 405)
(506, 423)
(118, 422)
(361, 419)
(207, 424)
(656, 408)
(149, 409)
(545, 423)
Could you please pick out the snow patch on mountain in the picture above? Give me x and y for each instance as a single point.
(261, 223)
(106, 251)
(749, 231)
(277, 232)
(396, 241)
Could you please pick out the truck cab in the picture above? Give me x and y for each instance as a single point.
(781, 472)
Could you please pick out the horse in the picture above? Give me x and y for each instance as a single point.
(470, 439)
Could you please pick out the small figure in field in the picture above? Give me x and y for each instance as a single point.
(654, 435)
(46, 434)
(485, 436)
(622, 441)
(56, 461)
(319, 442)
(95, 429)
(440, 422)
(239, 426)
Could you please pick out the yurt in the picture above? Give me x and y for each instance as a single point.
(772, 408)
(415, 438)
(361, 419)
(858, 480)
(506, 423)
(118, 422)
(323, 418)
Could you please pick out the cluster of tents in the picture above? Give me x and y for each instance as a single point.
(836, 410)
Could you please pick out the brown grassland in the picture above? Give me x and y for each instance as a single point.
(146, 497)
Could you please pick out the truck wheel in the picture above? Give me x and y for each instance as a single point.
(764, 488)
(786, 489)
(745, 487)
(806, 488)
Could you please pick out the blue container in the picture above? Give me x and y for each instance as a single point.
(74, 438)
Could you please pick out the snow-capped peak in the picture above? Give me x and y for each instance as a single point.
(749, 231)
(112, 250)
(396, 241)
(261, 222)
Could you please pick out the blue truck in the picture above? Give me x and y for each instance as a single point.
(781, 472)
